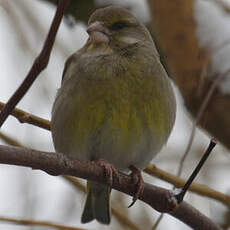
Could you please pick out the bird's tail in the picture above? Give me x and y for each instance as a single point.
(97, 203)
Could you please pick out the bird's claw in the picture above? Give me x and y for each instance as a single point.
(110, 170)
(138, 180)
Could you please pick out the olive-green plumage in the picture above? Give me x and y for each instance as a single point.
(116, 102)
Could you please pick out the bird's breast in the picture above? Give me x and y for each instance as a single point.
(115, 112)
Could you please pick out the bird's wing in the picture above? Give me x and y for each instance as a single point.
(67, 64)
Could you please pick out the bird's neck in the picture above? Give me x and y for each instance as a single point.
(118, 48)
(97, 49)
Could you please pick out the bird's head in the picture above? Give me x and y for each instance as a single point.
(117, 28)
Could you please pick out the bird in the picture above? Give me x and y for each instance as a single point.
(115, 106)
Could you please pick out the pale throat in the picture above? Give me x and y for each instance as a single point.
(99, 49)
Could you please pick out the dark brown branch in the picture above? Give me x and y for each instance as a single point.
(59, 164)
(75, 182)
(200, 189)
(39, 64)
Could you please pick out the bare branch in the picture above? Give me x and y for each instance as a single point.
(39, 64)
(59, 164)
(37, 223)
(200, 189)
(29, 118)
(181, 194)
(75, 182)
(157, 222)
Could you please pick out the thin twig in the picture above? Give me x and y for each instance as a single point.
(181, 194)
(197, 120)
(39, 64)
(9, 140)
(199, 189)
(157, 222)
(24, 117)
(46, 224)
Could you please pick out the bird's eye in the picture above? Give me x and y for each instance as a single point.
(118, 25)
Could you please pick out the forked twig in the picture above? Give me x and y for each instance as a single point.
(39, 64)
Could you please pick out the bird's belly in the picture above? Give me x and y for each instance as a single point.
(117, 134)
(124, 122)
(118, 147)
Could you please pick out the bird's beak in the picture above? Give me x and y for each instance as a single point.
(98, 33)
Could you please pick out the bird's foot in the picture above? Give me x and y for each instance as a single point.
(110, 170)
(138, 180)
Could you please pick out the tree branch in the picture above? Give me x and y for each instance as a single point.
(39, 64)
(25, 222)
(199, 189)
(75, 182)
(25, 117)
(59, 164)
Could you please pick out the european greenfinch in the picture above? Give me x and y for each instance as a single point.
(115, 104)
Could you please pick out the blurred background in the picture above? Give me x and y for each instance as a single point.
(33, 194)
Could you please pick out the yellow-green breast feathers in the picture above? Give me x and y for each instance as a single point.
(120, 108)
